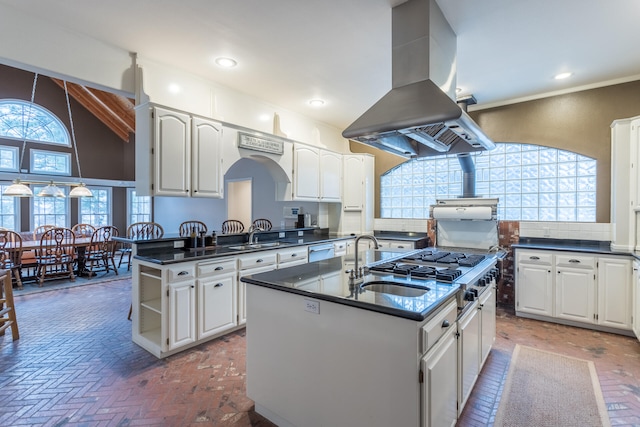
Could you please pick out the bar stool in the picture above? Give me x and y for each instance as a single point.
(7, 307)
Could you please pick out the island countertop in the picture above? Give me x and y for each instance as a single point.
(327, 280)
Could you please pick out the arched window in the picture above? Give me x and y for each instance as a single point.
(25, 120)
(533, 183)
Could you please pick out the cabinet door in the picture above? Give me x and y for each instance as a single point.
(636, 303)
(216, 305)
(353, 188)
(330, 176)
(242, 291)
(182, 314)
(468, 352)
(614, 292)
(487, 323)
(172, 153)
(534, 289)
(575, 294)
(206, 168)
(306, 179)
(440, 383)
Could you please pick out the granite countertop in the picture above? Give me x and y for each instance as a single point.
(327, 280)
(400, 235)
(587, 246)
(171, 256)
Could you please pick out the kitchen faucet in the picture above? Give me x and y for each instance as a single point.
(252, 231)
(358, 272)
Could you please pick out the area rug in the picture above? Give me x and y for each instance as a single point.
(546, 389)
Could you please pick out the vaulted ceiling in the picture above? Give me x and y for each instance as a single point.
(115, 111)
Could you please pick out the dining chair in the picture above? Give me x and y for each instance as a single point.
(139, 230)
(83, 230)
(232, 226)
(102, 249)
(40, 230)
(56, 254)
(8, 317)
(11, 254)
(198, 226)
(263, 224)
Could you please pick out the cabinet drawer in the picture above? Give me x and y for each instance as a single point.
(535, 258)
(259, 259)
(575, 261)
(213, 268)
(436, 327)
(293, 254)
(181, 272)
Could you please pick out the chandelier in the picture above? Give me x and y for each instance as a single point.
(19, 188)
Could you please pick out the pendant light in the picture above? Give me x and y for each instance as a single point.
(51, 190)
(18, 189)
(81, 190)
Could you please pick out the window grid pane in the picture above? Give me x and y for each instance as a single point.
(139, 208)
(532, 183)
(8, 209)
(96, 210)
(50, 210)
(24, 120)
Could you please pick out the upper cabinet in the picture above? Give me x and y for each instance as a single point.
(177, 154)
(317, 174)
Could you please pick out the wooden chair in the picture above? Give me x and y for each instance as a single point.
(185, 227)
(102, 249)
(139, 230)
(56, 254)
(40, 230)
(262, 223)
(232, 226)
(7, 307)
(11, 254)
(83, 230)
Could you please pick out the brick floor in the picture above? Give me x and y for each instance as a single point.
(75, 365)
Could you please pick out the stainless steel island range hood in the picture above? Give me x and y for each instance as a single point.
(419, 116)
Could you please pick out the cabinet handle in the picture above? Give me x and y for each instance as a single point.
(183, 273)
(574, 261)
(534, 257)
(219, 268)
(218, 285)
(294, 255)
(445, 323)
(259, 260)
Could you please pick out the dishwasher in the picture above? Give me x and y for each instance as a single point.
(321, 251)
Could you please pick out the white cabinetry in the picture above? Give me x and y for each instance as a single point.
(588, 290)
(487, 323)
(317, 174)
(468, 352)
(178, 306)
(354, 182)
(625, 197)
(253, 263)
(615, 292)
(575, 287)
(177, 154)
(357, 194)
(636, 298)
(395, 244)
(534, 290)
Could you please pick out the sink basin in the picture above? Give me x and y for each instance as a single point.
(394, 288)
(256, 246)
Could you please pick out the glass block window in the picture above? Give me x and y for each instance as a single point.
(96, 210)
(50, 210)
(50, 162)
(23, 120)
(532, 183)
(8, 209)
(139, 207)
(8, 158)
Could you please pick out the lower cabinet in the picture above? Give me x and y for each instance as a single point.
(395, 244)
(636, 298)
(216, 308)
(468, 352)
(579, 289)
(182, 314)
(440, 388)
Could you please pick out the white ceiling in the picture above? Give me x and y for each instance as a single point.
(290, 51)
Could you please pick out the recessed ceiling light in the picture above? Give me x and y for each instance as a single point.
(316, 102)
(563, 76)
(174, 88)
(226, 62)
(264, 117)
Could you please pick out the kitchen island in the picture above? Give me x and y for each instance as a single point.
(322, 350)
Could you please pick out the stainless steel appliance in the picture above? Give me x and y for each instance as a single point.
(321, 251)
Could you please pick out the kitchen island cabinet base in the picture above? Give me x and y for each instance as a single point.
(583, 325)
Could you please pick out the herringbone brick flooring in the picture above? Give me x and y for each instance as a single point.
(75, 365)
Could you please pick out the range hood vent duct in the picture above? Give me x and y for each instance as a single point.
(466, 162)
(419, 116)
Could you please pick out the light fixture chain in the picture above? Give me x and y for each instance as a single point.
(26, 129)
(73, 133)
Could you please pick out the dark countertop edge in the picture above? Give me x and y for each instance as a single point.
(162, 256)
(400, 235)
(587, 246)
(354, 303)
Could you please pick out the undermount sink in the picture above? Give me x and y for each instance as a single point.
(256, 246)
(394, 288)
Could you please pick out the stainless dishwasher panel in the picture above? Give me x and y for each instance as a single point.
(320, 252)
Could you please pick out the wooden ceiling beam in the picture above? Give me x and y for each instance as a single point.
(115, 111)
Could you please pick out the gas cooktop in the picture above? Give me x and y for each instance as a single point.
(437, 256)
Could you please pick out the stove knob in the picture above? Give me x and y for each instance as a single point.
(469, 296)
(483, 281)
